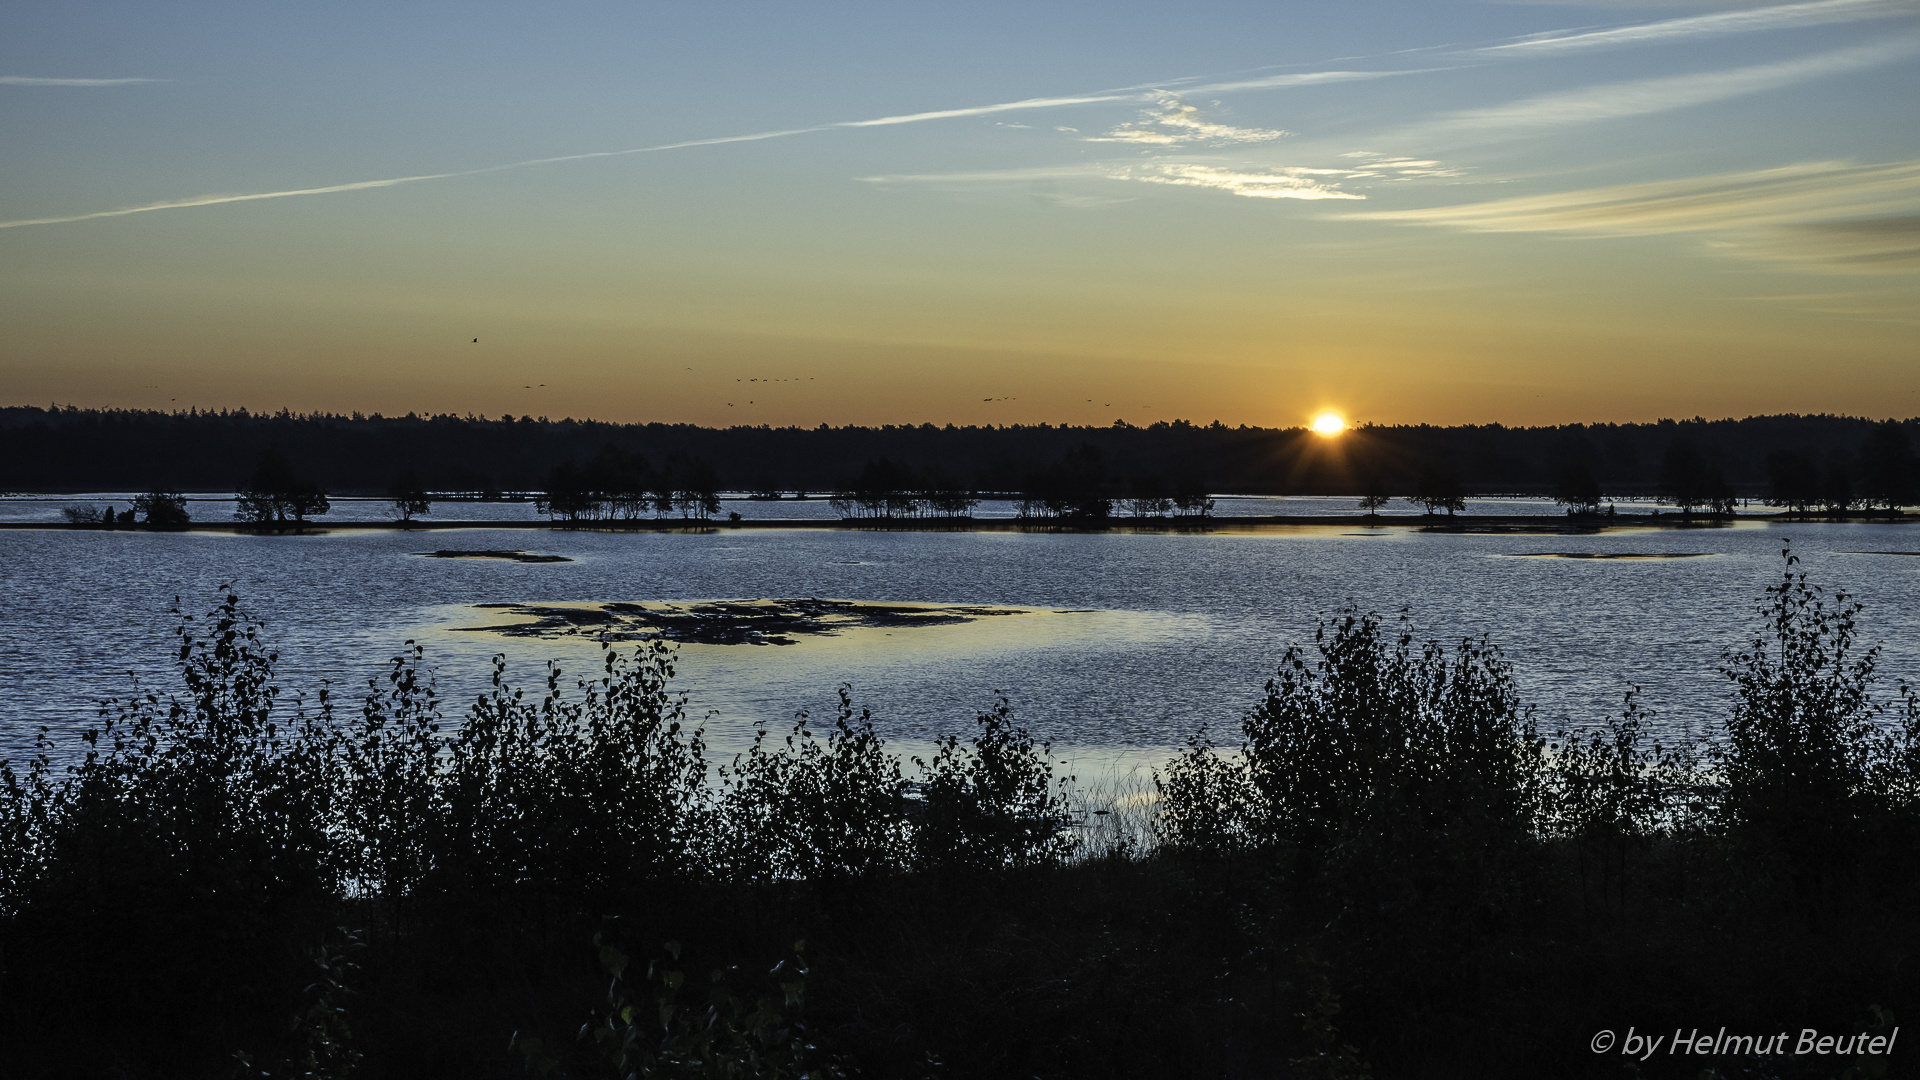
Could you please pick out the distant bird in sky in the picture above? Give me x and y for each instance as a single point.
(476, 341)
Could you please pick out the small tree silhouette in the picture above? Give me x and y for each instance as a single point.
(1439, 489)
(409, 498)
(276, 496)
(162, 509)
(1374, 493)
(1575, 488)
(568, 495)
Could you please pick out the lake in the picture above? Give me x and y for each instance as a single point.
(1123, 644)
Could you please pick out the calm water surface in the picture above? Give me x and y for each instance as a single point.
(1135, 639)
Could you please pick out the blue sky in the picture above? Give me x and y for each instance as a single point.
(965, 213)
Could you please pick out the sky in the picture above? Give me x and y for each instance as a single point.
(1416, 211)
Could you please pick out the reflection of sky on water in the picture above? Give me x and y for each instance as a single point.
(1183, 629)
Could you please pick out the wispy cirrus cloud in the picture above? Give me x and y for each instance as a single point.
(1723, 200)
(1389, 167)
(1882, 245)
(1135, 93)
(1176, 123)
(1834, 215)
(1184, 125)
(1288, 80)
(1720, 23)
(1641, 97)
(1284, 182)
(1280, 182)
(1245, 179)
(30, 80)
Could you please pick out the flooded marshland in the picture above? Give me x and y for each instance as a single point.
(1114, 645)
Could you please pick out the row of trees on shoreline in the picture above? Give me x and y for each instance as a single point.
(616, 486)
(94, 450)
(1882, 474)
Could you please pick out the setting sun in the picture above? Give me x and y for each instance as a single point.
(1328, 424)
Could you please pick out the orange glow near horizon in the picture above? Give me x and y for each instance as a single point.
(1328, 424)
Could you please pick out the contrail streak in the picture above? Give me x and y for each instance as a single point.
(395, 181)
(1129, 93)
(29, 80)
(1782, 16)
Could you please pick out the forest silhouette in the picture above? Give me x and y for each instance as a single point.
(1816, 462)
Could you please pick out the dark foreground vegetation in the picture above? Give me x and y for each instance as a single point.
(1811, 460)
(1389, 873)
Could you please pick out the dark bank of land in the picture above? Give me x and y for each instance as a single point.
(1388, 871)
(1520, 524)
(1813, 460)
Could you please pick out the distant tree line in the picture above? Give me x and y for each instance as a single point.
(1882, 473)
(1079, 487)
(887, 491)
(1807, 463)
(617, 486)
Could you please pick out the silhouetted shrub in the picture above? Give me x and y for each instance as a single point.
(1374, 732)
(814, 809)
(162, 509)
(993, 803)
(1810, 758)
(574, 794)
